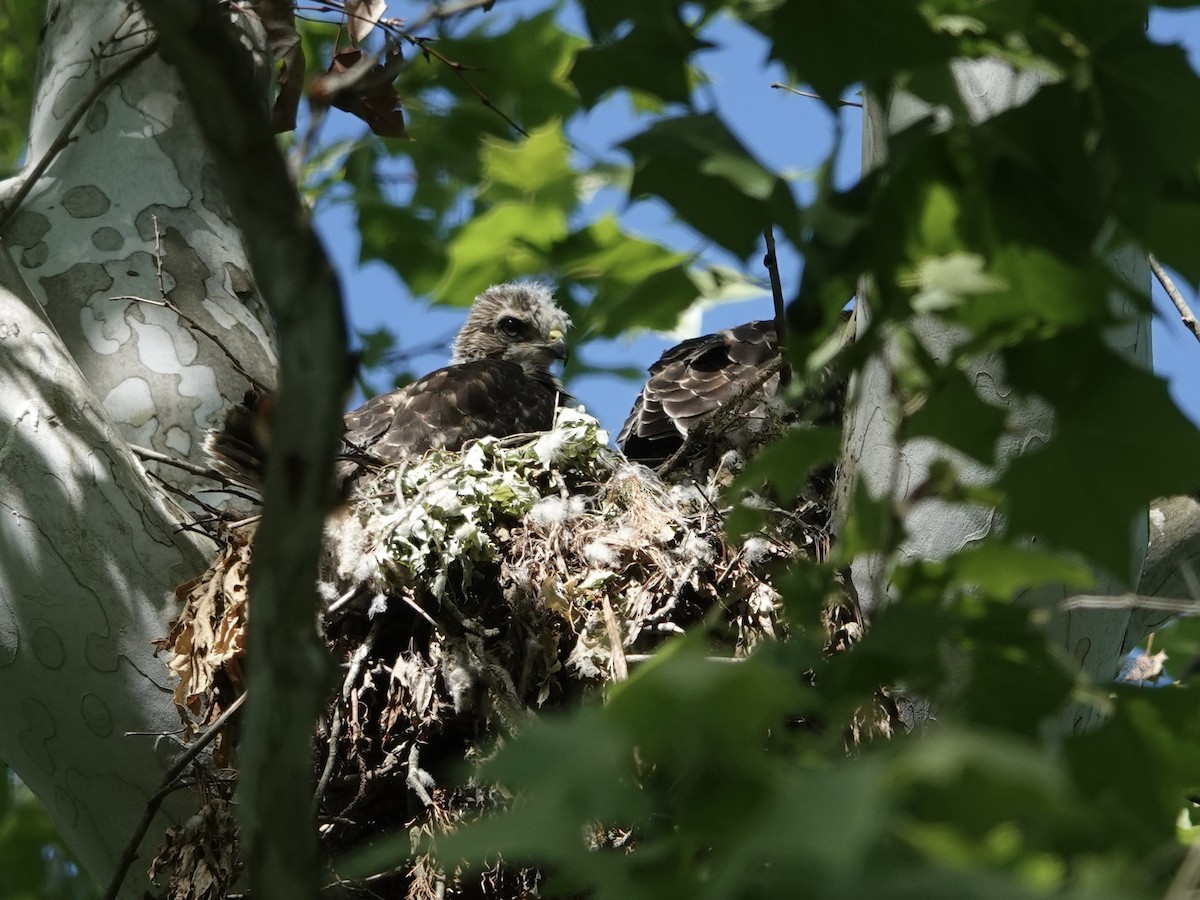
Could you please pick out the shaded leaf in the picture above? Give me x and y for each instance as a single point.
(1119, 441)
(835, 45)
(652, 56)
(952, 412)
(712, 182)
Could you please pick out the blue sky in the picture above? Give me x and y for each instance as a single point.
(788, 133)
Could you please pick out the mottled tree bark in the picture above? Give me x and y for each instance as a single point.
(90, 547)
(937, 528)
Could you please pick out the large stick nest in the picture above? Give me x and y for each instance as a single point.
(468, 590)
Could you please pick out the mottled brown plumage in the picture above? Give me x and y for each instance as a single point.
(694, 379)
(498, 383)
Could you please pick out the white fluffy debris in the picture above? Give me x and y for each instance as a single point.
(510, 577)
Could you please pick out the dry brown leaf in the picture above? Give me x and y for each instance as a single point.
(362, 16)
(199, 857)
(371, 96)
(208, 637)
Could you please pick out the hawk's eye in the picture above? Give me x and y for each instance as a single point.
(512, 327)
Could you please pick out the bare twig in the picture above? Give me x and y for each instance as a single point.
(617, 644)
(646, 657)
(1185, 312)
(168, 785)
(64, 134)
(393, 28)
(787, 87)
(439, 12)
(216, 514)
(154, 455)
(167, 304)
(335, 725)
(720, 419)
(1133, 601)
(771, 261)
(227, 486)
(402, 355)
(459, 69)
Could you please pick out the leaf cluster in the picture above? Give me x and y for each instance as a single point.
(999, 224)
(471, 201)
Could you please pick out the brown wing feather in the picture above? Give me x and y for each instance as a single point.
(691, 381)
(445, 409)
(453, 405)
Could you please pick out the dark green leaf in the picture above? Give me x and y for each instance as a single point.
(712, 182)
(833, 46)
(652, 57)
(1119, 441)
(954, 414)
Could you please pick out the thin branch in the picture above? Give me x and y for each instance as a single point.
(335, 726)
(64, 134)
(392, 27)
(1185, 311)
(787, 87)
(646, 657)
(1133, 601)
(155, 456)
(167, 304)
(286, 670)
(402, 355)
(720, 420)
(228, 486)
(216, 514)
(439, 12)
(458, 69)
(168, 785)
(771, 261)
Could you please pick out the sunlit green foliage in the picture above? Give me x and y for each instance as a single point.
(470, 201)
(734, 779)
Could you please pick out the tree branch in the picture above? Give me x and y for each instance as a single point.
(771, 261)
(1185, 312)
(778, 85)
(168, 785)
(286, 663)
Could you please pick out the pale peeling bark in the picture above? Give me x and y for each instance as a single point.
(89, 554)
(134, 197)
(90, 548)
(936, 528)
(1172, 568)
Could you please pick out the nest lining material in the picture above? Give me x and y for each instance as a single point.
(464, 591)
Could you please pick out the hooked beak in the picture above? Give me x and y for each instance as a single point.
(557, 347)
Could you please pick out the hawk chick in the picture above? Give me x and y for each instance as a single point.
(498, 383)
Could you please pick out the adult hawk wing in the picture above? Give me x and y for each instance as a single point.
(453, 405)
(694, 379)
